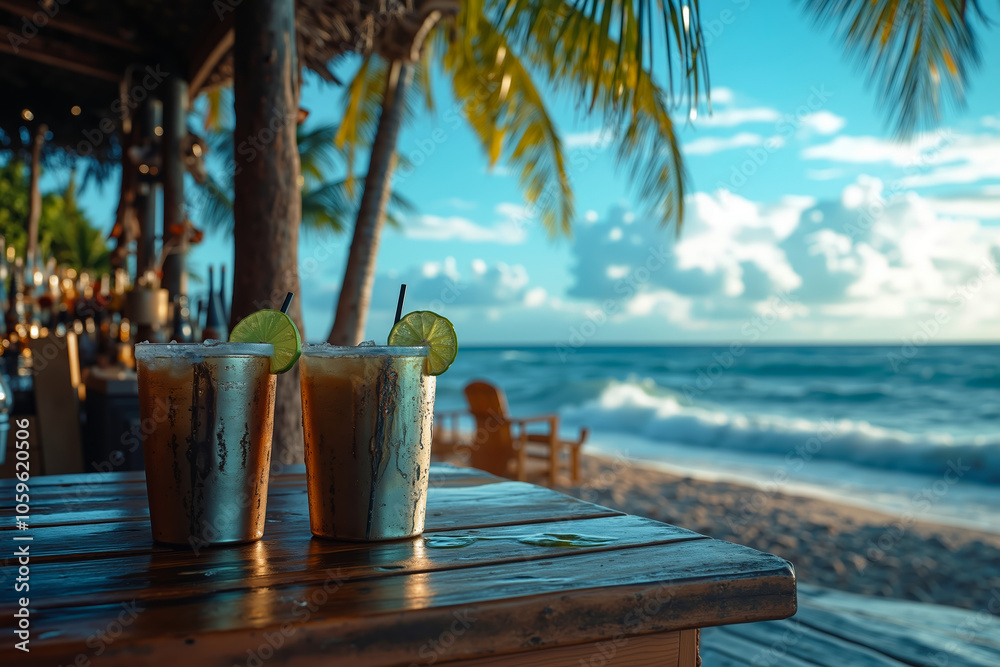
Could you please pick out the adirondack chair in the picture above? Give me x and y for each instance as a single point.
(516, 447)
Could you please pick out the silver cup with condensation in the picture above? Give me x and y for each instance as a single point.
(207, 414)
(367, 414)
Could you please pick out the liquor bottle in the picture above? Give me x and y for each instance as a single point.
(4, 272)
(222, 294)
(215, 326)
(182, 331)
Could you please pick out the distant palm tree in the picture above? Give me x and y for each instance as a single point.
(918, 53)
(71, 239)
(599, 52)
(328, 201)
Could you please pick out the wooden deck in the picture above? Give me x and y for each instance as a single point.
(833, 629)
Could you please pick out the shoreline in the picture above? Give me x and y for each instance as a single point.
(832, 544)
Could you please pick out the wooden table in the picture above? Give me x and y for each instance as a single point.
(480, 588)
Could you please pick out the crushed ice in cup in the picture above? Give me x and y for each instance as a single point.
(212, 341)
(367, 343)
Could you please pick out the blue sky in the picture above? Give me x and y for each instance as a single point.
(806, 222)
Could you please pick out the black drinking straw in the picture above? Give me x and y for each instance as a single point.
(288, 302)
(399, 304)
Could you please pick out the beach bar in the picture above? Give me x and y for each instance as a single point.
(506, 573)
(185, 481)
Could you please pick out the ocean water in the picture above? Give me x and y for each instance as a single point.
(912, 431)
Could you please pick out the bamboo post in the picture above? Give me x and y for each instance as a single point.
(175, 104)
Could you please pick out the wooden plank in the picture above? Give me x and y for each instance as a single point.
(442, 474)
(500, 504)
(710, 657)
(895, 641)
(950, 623)
(62, 56)
(801, 641)
(287, 519)
(859, 630)
(532, 604)
(174, 574)
(66, 22)
(659, 650)
(688, 656)
(753, 650)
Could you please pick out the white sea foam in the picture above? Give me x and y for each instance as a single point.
(629, 408)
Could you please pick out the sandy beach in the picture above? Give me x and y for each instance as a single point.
(833, 545)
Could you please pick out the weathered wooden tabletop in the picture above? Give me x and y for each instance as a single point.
(480, 586)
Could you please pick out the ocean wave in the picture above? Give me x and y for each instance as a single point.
(628, 408)
(813, 368)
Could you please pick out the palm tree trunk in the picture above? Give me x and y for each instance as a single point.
(267, 205)
(359, 277)
(35, 194)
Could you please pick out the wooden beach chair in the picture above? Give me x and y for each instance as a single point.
(517, 447)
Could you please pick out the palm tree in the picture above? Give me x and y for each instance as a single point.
(599, 52)
(70, 237)
(918, 53)
(328, 198)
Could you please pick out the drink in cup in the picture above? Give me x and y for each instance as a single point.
(368, 413)
(207, 447)
(207, 414)
(367, 416)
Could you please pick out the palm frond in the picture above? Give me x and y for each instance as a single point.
(506, 111)
(318, 152)
(329, 207)
(608, 41)
(579, 55)
(362, 107)
(918, 53)
(213, 201)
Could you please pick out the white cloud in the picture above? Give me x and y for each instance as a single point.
(732, 117)
(870, 150)
(722, 95)
(592, 139)
(978, 207)
(710, 145)
(455, 228)
(823, 122)
(535, 297)
(845, 263)
(945, 157)
(444, 285)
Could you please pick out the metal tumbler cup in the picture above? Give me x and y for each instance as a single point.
(207, 413)
(368, 414)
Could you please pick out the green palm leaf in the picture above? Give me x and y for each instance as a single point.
(507, 113)
(579, 56)
(918, 52)
(610, 41)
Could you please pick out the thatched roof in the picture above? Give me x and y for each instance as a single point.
(75, 65)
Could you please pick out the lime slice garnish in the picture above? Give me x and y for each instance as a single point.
(424, 328)
(276, 328)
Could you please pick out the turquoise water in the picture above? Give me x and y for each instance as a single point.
(886, 419)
